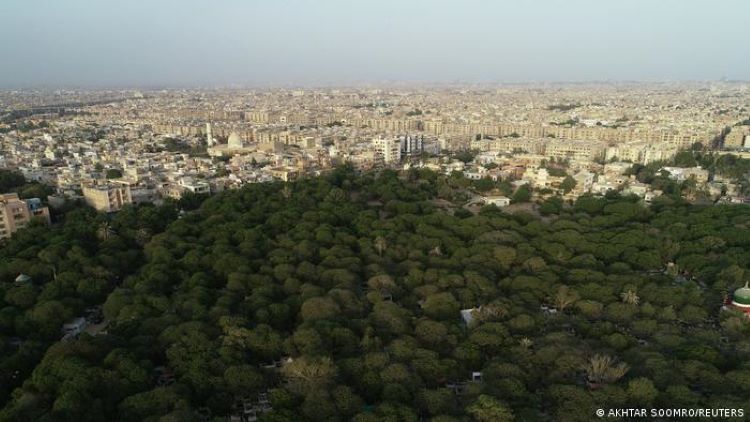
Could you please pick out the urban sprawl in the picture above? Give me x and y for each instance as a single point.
(112, 148)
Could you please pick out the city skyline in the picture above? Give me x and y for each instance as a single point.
(328, 210)
(302, 43)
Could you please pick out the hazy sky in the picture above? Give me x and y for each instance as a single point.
(316, 42)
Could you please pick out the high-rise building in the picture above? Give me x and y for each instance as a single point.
(209, 136)
(15, 213)
(411, 145)
(388, 149)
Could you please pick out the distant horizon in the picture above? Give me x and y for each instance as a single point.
(197, 43)
(370, 84)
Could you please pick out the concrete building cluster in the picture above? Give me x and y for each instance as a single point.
(115, 148)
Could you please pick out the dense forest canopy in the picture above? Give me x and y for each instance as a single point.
(341, 298)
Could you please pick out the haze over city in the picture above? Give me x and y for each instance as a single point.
(87, 43)
(365, 211)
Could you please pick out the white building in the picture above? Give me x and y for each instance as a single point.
(210, 141)
(681, 174)
(195, 186)
(388, 149)
(235, 141)
(498, 201)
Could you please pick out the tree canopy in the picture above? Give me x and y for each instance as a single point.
(353, 297)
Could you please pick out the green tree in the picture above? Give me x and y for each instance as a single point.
(489, 409)
(568, 184)
(522, 194)
(10, 180)
(441, 306)
(114, 173)
(642, 391)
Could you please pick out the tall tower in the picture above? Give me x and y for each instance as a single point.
(209, 135)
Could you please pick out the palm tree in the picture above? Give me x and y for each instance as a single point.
(602, 369)
(436, 251)
(630, 297)
(490, 312)
(307, 374)
(142, 236)
(564, 298)
(105, 231)
(286, 192)
(52, 259)
(380, 245)
(526, 343)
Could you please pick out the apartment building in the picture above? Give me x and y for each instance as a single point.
(388, 149)
(260, 116)
(738, 137)
(15, 213)
(577, 150)
(411, 145)
(285, 174)
(389, 125)
(108, 197)
(533, 146)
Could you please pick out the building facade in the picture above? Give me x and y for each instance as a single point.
(109, 197)
(15, 213)
(388, 149)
